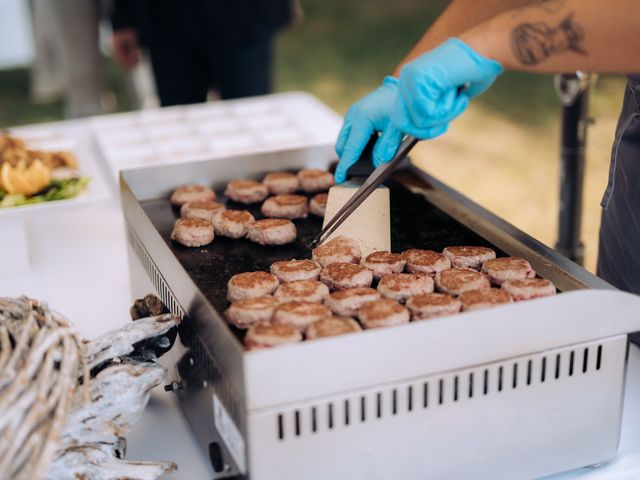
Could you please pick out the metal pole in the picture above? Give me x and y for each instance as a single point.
(573, 90)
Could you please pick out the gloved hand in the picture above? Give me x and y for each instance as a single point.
(368, 115)
(436, 87)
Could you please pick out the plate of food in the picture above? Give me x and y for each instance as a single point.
(40, 172)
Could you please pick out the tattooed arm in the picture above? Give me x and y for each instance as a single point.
(563, 36)
(458, 17)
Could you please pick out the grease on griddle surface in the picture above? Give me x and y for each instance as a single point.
(415, 223)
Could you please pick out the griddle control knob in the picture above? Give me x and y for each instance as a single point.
(216, 457)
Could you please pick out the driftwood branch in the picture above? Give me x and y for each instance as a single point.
(55, 421)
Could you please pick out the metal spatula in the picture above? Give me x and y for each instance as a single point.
(372, 182)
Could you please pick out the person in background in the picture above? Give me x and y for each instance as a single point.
(68, 58)
(196, 46)
(463, 53)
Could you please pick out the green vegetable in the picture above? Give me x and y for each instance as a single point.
(58, 189)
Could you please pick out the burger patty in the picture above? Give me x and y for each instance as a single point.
(484, 298)
(529, 288)
(246, 191)
(314, 180)
(281, 182)
(338, 250)
(338, 276)
(456, 281)
(251, 285)
(250, 311)
(265, 335)
(500, 270)
(383, 313)
(425, 261)
(318, 204)
(347, 302)
(468, 257)
(311, 291)
(331, 326)
(232, 223)
(300, 314)
(384, 263)
(201, 210)
(400, 286)
(192, 232)
(272, 231)
(292, 270)
(431, 305)
(285, 206)
(192, 193)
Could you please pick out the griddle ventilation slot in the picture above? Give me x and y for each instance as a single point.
(187, 335)
(158, 281)
(431, 393)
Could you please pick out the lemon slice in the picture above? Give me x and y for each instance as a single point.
(23, 179)
(5, 178)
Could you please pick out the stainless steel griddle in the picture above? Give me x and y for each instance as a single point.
(518, 391)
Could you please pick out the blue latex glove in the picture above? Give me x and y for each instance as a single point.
(436, 87)
(367, 116)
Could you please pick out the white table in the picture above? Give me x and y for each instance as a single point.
(79, 264)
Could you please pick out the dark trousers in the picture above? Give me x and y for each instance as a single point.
(185, 74)
(619, 251)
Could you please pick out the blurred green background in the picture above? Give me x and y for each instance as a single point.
(503, 152)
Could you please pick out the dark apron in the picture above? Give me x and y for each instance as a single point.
(619, 250)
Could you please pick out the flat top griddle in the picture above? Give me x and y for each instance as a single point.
(415, 223)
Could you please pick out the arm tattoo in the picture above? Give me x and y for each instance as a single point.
(533, 43)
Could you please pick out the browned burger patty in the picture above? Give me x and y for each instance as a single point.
(529, 288)
(311, 291)
(318, 204)
(202, 210)
(400, 286)
(285, 206)
(265, 335)
(331, 326)
(338, 250)
(300, 314)
(338, 276)
(246, 191)
(192, 193)
(314, 180)
(459, 280)
(468, 257)
(347, 302)
(292, 270)
(249, 311)
(484, 298)
(383, 313)
(500, 270)
(384, 263)
(232, 223)
(431, 305)
(272, 231)
(281, 182)
(251, 285)
(425, 261)
(192, 232)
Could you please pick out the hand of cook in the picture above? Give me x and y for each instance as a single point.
(432, 90)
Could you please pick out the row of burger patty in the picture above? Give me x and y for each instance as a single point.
(324, 296)
(202, 218)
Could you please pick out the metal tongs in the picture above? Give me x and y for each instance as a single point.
(372, 182)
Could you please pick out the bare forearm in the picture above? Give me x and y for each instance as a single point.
(562, 36)
(460, 16)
